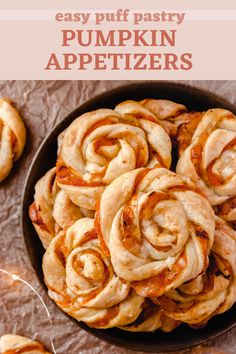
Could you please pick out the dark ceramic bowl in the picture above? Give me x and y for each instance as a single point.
(194, 99)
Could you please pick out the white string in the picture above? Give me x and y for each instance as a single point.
(15, 278)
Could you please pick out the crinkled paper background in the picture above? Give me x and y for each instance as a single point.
(42, 105)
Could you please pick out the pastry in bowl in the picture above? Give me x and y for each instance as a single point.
(52, 209)
(158, 229)
(81, 280)
(210, 159)
(12, 137)
(212, 292)
(100, 146)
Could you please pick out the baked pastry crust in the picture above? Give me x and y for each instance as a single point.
(227, 211)
(12, 136)
(151, 318)
(13, 344)
(210, 159)
(81, 280)
(170, 114)
(157, 227)
(189, 123)
(212, 292)
(101, 145)
(52, 209)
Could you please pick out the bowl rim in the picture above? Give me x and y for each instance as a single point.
(97, 97)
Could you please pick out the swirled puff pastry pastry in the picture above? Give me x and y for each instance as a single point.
(210, 159)
(158, 229)
(52, 210)
(212, 292)
(102, 145)
(81, 280)
(12, 137)
(14, 344)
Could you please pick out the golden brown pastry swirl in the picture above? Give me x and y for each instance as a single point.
(15, 344)
(210, 159)
(158, 229)
(12, 137)
(101, 145)
(212, 292)
(81, 280)
(52, 209)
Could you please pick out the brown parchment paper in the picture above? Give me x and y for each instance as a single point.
(42, 105)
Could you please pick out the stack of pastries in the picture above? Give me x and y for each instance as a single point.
(136, 238)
